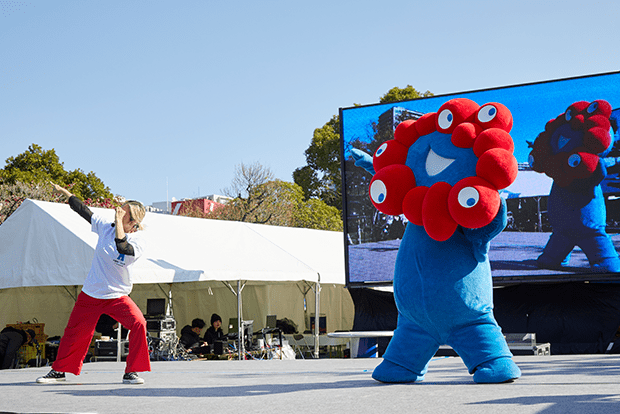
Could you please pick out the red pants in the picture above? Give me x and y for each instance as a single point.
(81, 327)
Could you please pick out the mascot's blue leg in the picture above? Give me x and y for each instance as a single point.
(407, 356)
(601, 253)
(556, 253)
(485, 352)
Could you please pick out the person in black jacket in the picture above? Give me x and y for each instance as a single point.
(190, 336)
(214, 333)
(10, 341)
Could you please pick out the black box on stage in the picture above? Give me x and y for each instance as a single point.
(109, 348)
(166, 324)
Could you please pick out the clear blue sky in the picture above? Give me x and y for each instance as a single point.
(153, 94)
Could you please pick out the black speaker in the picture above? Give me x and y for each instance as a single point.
(166, 324)
(218, 347)
(110, 348)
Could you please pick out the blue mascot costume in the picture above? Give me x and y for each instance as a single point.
(569, 151)
(443, 172)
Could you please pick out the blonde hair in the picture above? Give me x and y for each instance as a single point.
(137, 211)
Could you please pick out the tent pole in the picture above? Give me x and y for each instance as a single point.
(240, 348)
(170, 308)
(73, 295)
(304, 292)
(240, 331)
(118, 342)
(317, 310)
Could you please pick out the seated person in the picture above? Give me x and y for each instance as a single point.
(11, 339)
(107, 326)
(214, 333)
(190, 337)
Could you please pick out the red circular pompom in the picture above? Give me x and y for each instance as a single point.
(603, 108)
(405, 133)
(494, 115)
(541, 153)
(464, 135)
(390, 152)
(438, 223)
(412, 204)
(473, 202)
(493, 138)
(597, 139)
(580, 164)
(425, 124)
(497, 166)
(453, 113)
(389, 187)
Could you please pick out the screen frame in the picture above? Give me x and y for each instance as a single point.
(497, 280)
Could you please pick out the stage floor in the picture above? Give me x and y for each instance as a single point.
(550, 384)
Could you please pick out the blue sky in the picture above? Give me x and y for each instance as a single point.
(166, 97)
(532, 106)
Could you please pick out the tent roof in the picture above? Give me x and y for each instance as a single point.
(47, 244)
(528, 184)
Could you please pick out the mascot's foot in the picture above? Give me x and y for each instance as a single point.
(543, 264)
(607, 266)
(389, 372)
(497, 371)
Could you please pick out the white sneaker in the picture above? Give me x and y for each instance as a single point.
(132, 378)
(52, 376)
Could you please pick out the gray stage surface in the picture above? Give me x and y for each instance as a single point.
(512, 254)
(550, 384)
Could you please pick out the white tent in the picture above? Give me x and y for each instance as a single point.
(528, 184)
(46, 250)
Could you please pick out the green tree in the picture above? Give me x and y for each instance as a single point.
(27, 175)
(408, 93)
(315, 214)
(321, 178)
(12, 196)
(40, 166)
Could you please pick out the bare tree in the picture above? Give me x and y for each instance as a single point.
(259, 198)
(252, 194)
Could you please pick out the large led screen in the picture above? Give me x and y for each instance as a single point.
(372, 238)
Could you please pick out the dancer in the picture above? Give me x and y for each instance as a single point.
(105, 291)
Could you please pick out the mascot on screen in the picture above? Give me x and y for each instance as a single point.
(569, 151)
(443, 172)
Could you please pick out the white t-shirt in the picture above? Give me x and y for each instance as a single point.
(110, 273)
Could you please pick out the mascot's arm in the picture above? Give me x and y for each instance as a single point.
(363, 160)
(480, 238)
(609, 162)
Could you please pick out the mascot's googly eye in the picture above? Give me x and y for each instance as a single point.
(378, 191)
(568, 115)
(381, 149)
(468, 197)
(592, 107)
(574, 160)
(445, 119)
(487, 113)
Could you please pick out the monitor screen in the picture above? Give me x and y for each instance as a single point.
(372, 238)
(156, 307)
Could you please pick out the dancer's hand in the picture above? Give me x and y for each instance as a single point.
(120, 213)
(60, 190)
